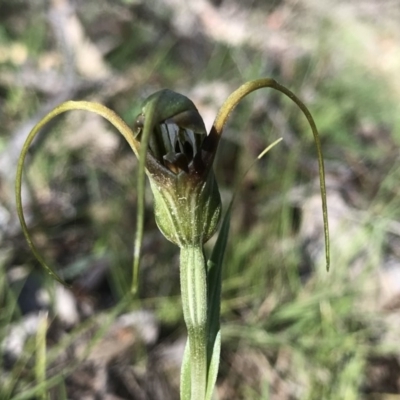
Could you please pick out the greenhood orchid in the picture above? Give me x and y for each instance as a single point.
(177, 154)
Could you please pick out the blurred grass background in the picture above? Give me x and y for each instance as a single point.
(290, 330)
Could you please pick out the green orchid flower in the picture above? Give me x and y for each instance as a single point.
(177, 154)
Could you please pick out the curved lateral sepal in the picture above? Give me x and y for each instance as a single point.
(99, 109)
(232, 101)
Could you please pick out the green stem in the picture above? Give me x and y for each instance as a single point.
(194, 302)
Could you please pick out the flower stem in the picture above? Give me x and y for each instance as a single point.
(194, 303)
